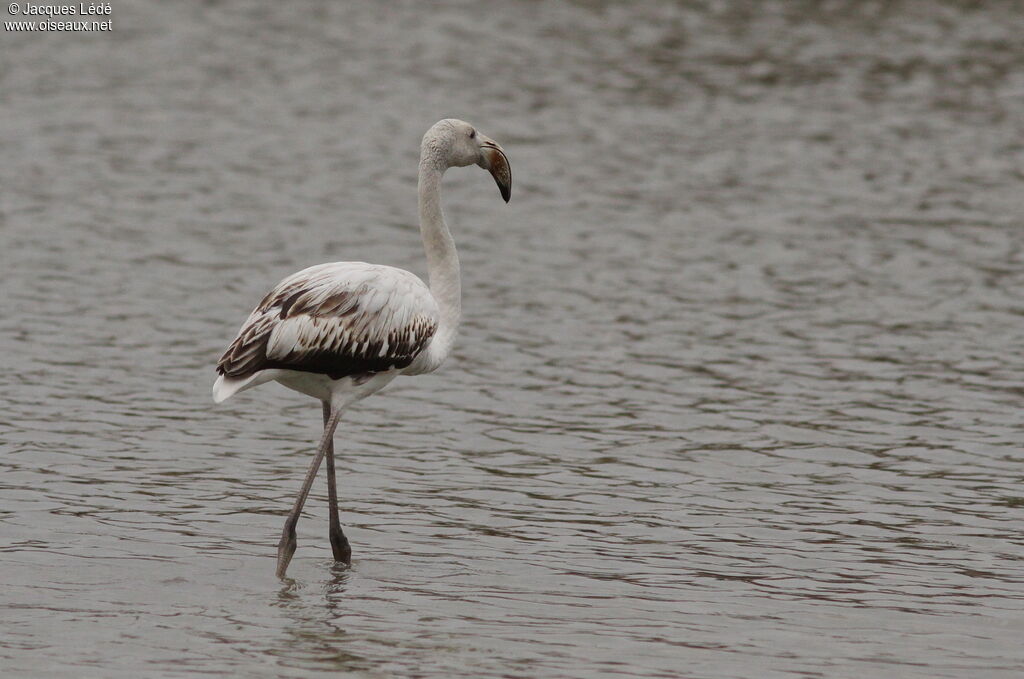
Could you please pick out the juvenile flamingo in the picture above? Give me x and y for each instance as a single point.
(341, 331)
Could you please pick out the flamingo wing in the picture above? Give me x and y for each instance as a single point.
(338, 319)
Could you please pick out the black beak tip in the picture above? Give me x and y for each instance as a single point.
(506, 193)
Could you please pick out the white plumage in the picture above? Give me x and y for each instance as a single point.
(340, 319)
(339, 332)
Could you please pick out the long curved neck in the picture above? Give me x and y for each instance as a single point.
(442, 259)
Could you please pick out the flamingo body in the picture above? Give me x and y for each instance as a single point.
(329, 322)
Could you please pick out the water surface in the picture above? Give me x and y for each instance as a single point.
(738, 391)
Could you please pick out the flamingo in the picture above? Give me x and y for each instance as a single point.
(342, 331)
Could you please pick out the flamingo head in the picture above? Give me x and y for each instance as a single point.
(460, 144)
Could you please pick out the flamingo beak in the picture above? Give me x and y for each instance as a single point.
(493, 160)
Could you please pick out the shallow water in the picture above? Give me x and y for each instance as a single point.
(738, 391)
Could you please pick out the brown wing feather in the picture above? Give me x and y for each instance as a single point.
(336, 319)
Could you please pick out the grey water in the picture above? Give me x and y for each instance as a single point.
(738, 391)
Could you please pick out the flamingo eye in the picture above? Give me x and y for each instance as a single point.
(472, 134)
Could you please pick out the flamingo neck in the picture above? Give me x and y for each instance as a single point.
(442, 259)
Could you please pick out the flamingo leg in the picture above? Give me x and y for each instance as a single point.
(286, 547)
(339, 543)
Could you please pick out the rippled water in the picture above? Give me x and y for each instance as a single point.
(738, 392)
